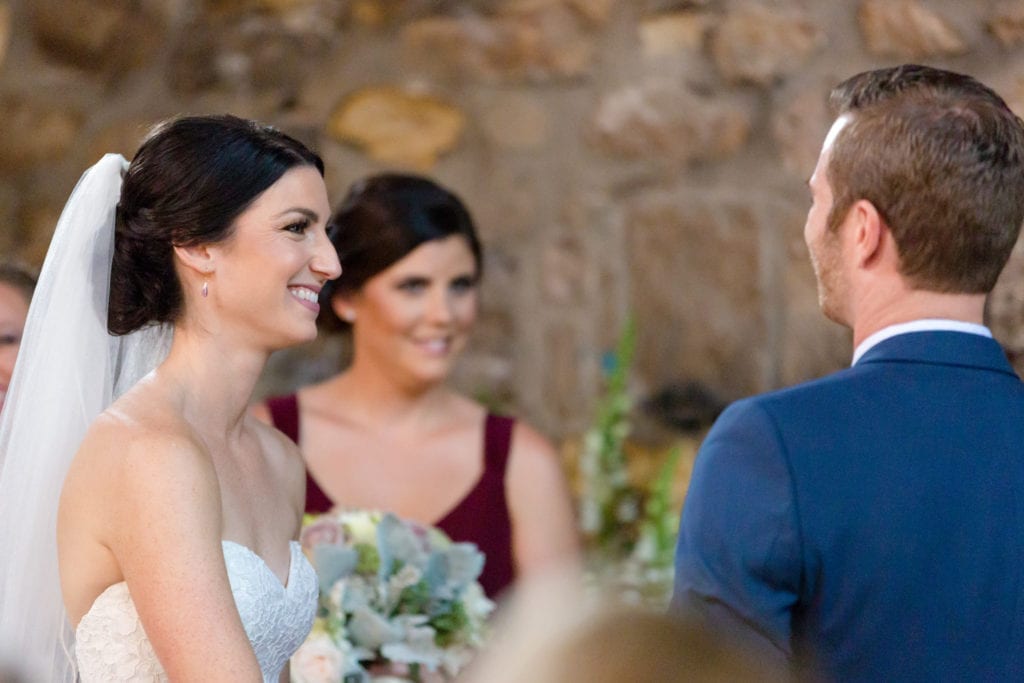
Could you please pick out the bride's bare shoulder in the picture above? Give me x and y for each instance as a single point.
(131, 439)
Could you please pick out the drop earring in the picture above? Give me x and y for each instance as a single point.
(205, 291)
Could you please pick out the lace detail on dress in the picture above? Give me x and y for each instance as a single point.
(111, 644)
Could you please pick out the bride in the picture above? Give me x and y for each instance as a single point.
(173, 533)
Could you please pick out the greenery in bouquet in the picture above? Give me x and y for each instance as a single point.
(630, 528)
(392, 592)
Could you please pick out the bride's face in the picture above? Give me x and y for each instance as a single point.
(13, 311)
(269, 272)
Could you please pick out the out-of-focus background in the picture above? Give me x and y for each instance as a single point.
(624, 159)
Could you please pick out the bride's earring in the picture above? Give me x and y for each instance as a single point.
(205, 291)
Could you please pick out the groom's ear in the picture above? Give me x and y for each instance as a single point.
(199, 258)
(870, 233)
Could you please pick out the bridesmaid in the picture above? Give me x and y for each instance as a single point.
(388, 433)
(16, 286)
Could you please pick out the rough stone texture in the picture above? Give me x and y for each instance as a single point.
(544, 45)
(516, 121)
(756, 44)
(907, 29)
(1005, 310)
(5, 30)
(37, 223)
(397, 127)
(799, 123)
(711, 303)
(248, 54)
(597, 12)
(669, 33)
(43, 133)
(663, 120)
(121, 137)
(91, 34)
(614, 155)
(1007, 23)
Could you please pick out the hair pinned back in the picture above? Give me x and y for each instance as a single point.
(186, 185)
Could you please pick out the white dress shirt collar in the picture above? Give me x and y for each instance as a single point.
(923, 325)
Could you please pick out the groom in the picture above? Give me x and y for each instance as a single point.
(869, 526)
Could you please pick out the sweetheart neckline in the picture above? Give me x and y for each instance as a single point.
(292, 545)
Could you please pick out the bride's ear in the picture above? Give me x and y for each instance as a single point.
(197, 258)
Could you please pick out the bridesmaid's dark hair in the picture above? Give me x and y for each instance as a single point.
(186, 185)
(19, 277)
(383, 218)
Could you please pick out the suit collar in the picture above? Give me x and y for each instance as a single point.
(941, 348)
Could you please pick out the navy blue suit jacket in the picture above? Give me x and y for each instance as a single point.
(871, 521)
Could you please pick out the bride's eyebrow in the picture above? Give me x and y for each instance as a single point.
(308, 213)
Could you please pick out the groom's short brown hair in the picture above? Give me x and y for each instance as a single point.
(941, 157)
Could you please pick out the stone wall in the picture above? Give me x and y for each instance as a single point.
(642, 157)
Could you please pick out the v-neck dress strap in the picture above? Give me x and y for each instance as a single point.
(481, 517)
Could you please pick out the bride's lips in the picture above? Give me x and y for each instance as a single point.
(307, 296)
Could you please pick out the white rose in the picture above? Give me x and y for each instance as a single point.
(318, 660)
(361, 526)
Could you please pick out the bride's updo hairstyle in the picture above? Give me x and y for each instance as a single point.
(381, 220)
(186, 185)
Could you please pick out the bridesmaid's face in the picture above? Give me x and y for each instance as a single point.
(415, 316)
(13, 311)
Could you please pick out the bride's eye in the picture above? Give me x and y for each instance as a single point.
(298, 227)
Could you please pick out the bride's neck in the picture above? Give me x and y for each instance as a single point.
(213, 379)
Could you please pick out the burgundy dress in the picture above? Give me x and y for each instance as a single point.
(481, 517)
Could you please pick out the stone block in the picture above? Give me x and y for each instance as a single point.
(907, 29)
(542, 46)
(563, 265)
(695, 292)
(1007, 23)
(96, 35)
(253, 54)
(800, 120)
(664, 120)
(37, 222)
(41, 133)
(5, 30)
(1005, 308)
(755, 44)
(516, 121)
(122, 137)
(398, 127)
(673, 32)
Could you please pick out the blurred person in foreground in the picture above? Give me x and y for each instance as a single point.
(388, 433)
(16, 286)
(551, 632)
(872, 522)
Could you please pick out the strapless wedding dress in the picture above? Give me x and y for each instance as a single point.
(111, 646)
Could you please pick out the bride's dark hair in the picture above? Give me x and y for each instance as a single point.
(186, 185)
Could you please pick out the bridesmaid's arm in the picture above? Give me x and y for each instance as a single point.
(544, 532)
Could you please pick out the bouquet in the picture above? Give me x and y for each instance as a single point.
(392, 592)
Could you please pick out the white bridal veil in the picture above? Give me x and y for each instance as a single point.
(69, 369)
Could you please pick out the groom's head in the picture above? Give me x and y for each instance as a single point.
(937, 159)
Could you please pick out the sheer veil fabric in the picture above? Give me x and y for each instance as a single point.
(69, 370)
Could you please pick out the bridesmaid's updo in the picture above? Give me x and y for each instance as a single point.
(186, 185)
(383, 218)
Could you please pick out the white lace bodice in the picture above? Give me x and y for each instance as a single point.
(110, 644)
